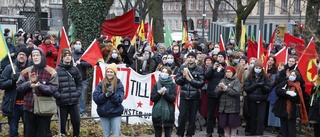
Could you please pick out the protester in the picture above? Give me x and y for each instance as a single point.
(129, 48)
(146, 64)
(290, 102)
(190, 78)
(114, 57)
(171, 63)
(314, 111)
(163, 63)
(38, 40)
(178, 58)
(229, 90)
(257, 86)
(27, 37)
(4, 62)
(124, 54)
(42, 79)
(160, 52)
(69, 92)
(12, 102)
(20, 43)
(49, 50)
(163, 95)
(108, 95)
(82, 67)
(232, 42)
(6, 32)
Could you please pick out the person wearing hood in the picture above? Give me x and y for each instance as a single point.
(229, 90)
(129, 48)
(145, 64)
(69, 92)
(50, 51)
(43, 79)
(12, 102)
(114, 57)
(20, 43)
(124, 54)
(12, 51)
(82, 67)
(161, 50)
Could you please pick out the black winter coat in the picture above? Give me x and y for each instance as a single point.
(169, 98)
(69, 86)
(279, 108)
(214, 78)
(255, 92)
(190, 89)
(83, 65)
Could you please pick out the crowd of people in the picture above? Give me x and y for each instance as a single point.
(227, 88)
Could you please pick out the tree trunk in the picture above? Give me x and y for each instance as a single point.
(65, 15)
(312, 15)
(215, 10)
(156, 12)
(184, 13)
(37, 8)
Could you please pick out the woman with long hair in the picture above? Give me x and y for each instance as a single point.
(108, 96)
(163, 95)
(114, 57)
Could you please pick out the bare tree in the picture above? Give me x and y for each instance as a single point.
(140, 7)
(156, 12)
(214, 9)
(184, 13)
(38, 15)
(65, 15)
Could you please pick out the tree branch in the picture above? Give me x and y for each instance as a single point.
(226, 1)
(210, 4)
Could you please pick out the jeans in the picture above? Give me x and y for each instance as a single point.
(109, 124)
(73, 110)
(13, 121)
(83, 97)
(188, 111)
(36, 126)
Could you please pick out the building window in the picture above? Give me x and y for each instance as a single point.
(284, 6)
(297, 5)
(199, 5)
(222, 6)
(176, 6)
(190, 5)
(207, 6)
(169, 7)
(164, 6)
(271, 6)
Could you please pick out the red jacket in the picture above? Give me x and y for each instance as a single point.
(50, 58)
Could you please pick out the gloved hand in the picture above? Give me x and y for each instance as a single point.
(49, 52)
(291, 93)
(110, 91)
(15, 77)
(259, 84)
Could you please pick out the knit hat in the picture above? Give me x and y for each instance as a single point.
(188, 44)
(25, 51)
(113, 67)
(192, 54)
(46, 37)
(37, 50)
(223, 53)
(208, 57)
(64, 52)
(231, 69)
(244, 58)
(258, 63)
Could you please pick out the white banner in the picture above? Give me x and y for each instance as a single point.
(137, 94)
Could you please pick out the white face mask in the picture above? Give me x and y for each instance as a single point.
(77, 47)
(114, 55)
(292, 78)
(258, 71)
(229, 51)
(164, 76)
(169, 61)
(251, 65)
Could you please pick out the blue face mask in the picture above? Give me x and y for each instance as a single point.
(258, 71)
(236, 61)
(114, 55)
(232, 41)
(77, 47)
(251, 65)
(164, 76)
(229, 51)
(169, 61)
(292, 78)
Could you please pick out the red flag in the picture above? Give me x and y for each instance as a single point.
(185, 38)
(282, 56)
(64, 43)
(261, 53)
(221, 44)
(150, 36)
(271, 45)
(252, 49)
(93, 54)
(292, 41)
(119, 26)
(98, 75)
(307, 65)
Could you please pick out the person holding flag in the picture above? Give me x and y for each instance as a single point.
(12, 50)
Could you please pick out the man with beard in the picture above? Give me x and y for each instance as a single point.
(68, 95)
(50, 50)
(82, 66)
(190, 78)
(43, 81)
(12, 104)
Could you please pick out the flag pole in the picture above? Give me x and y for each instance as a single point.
(11, 64)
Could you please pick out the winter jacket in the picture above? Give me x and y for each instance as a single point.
(255, 92)
(150, 67)
(214, 78)
(83, 64)
(279, 108)
(169, 98)
(50, 58)
(112, 106)
(229, 99)
(190, 89)
(70, 85)
(11, 93)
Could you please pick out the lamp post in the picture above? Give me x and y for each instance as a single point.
(203, 20)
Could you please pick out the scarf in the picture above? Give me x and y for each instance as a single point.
(161, 108)
(144, 65)
(296, 86)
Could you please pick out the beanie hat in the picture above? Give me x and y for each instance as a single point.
(192, 54)
(258, 63)
(113, 67)
(46, 37)
(37, 50)
(244, 58)
(25, 51)
(208, 57)
(64, 52)
(231, 69)
(223, 53)
(188, 44)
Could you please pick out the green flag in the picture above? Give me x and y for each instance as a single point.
(168, 38)
(71, 32)
(231, 33)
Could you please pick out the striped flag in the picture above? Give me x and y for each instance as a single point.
(3, 46)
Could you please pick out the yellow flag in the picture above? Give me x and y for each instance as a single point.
(243, 37)
(184, 34)
(142, 32)
(135, 36)
(3, 46)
